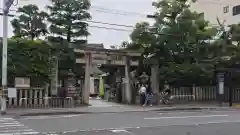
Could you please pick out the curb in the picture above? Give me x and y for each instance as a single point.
(105, 112)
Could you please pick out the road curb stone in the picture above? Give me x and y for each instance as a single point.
(102, 112)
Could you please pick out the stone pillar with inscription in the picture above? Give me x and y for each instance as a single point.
(118, 86)
(133, 81)
(88, 67)
(128, 90)
(155, 80)
(71, 85)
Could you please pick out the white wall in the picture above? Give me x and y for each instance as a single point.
(214, 8)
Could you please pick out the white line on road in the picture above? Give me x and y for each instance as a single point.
(6, 118)
(10, 126)
(10, 123)
(185, 117)
(25, 133)
(49, 117)
(122, 130)
(127, 128)
(180, 112)
(19, 125)
(17, 131)
(118, 130)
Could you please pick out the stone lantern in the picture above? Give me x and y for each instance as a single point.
(144, 78)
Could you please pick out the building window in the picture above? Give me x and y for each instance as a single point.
(226, 9)
(236, 10)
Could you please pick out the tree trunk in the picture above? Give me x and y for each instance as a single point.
(69, 34)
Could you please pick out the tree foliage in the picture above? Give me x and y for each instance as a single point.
(30, 23)
(28, 58)
(186, 46)
(67, 18)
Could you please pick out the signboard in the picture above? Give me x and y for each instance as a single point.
(22, 82)
(72, 92)
(12, 92)
(221, 83)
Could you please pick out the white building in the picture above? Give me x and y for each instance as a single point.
(225, 10)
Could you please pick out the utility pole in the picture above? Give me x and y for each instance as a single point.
(6, 6)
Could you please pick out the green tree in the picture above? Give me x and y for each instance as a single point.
(178, 40)
(235, 32)
(67, 18)
(28, 58)
(30, 23)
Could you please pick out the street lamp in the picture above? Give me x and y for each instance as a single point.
(6, 5)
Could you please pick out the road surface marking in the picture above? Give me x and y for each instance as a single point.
(185, 117)
(15, 125)
(50, 117)
(127, 128)
(118, 130)
(10, 126)
(168, 113)
(25, 133)
(122, 130)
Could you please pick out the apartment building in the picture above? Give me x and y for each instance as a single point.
(225, 10)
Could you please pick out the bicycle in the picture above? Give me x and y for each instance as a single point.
(164, 97)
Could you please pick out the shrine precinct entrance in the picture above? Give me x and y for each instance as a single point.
(95, 56)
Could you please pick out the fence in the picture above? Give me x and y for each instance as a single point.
(203, 93)
(40, 98)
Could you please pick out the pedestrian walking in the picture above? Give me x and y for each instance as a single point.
(166, 93)
(142, 93)
(148, 100)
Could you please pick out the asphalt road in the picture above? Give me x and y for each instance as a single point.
(138, 123)
(209, 129)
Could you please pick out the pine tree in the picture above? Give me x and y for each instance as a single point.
(30, 23)
(68, 20)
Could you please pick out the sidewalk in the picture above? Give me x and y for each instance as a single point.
(113, 108)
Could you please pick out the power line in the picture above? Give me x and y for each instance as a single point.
(118, 12)
(109, 28)
(120, 30)
(110, 11)
(113, 24)
(129, 13)
(122, 25)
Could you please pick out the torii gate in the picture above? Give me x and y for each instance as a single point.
(111, 57)
(105, 56)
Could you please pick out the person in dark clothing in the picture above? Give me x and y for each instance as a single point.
(167, 88)
(167, 92)
(149, 95)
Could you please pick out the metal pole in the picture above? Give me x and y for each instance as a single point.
(4, 59)
(6, 5)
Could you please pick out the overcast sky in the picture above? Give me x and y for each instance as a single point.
(124, 12)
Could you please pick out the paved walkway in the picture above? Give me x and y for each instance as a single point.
(102, 103)
(100, 106)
